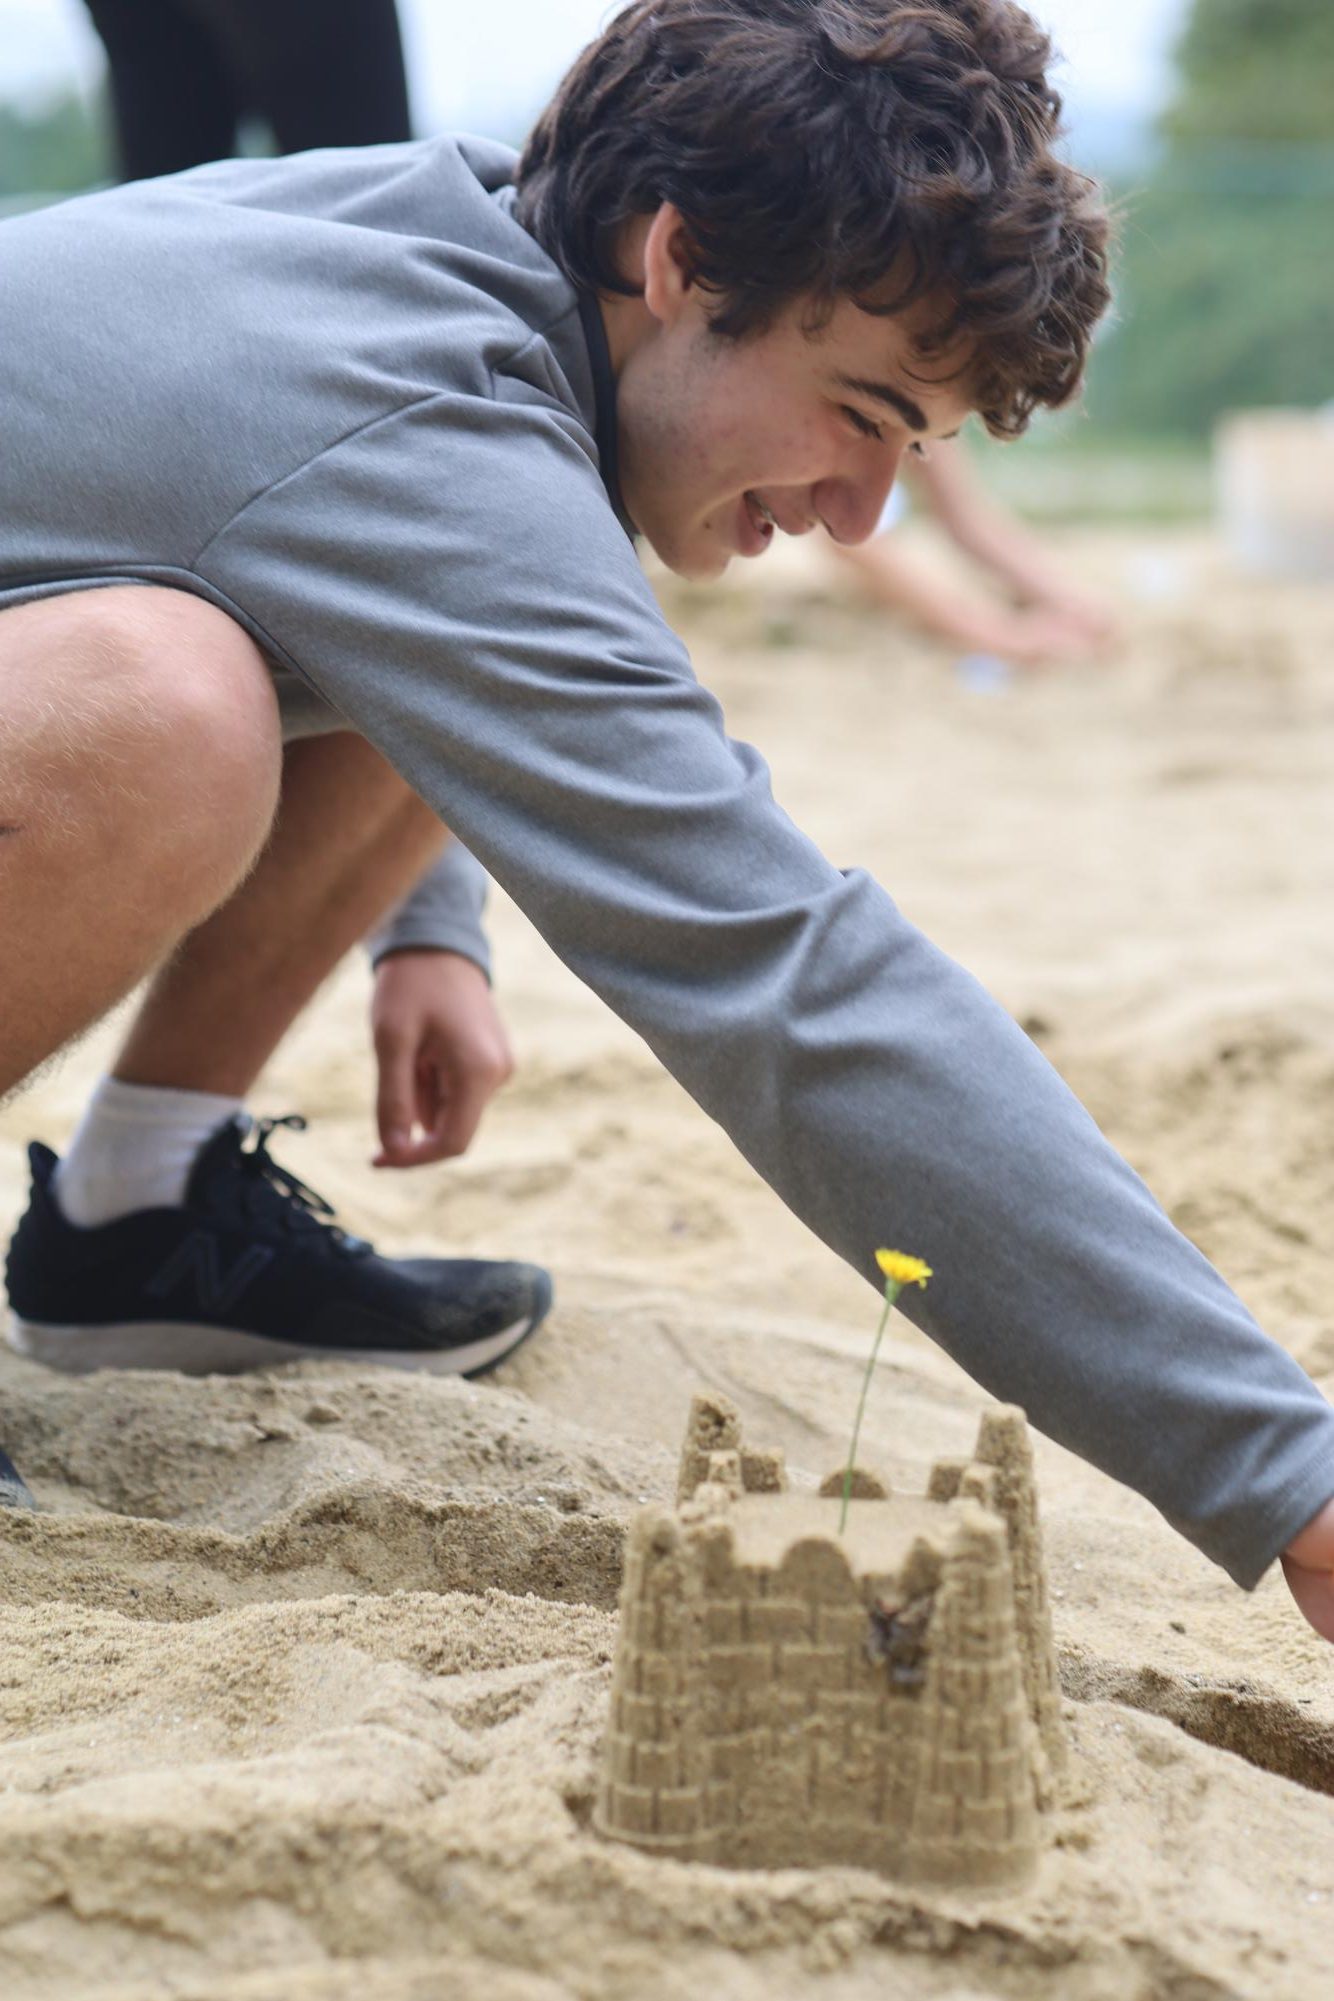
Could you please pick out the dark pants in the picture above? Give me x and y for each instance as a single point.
(185, 72)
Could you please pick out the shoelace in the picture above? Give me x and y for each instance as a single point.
(301, 1210)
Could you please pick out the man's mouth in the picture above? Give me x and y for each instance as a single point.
(760, 523)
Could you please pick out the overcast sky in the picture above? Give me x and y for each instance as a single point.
(488, 67)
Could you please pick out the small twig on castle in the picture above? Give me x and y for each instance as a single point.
(899, 1269)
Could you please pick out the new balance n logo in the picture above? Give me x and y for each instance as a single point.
(195, 1267)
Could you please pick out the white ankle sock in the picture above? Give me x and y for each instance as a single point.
(134, 1149)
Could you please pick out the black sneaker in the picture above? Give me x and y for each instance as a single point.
(248, 1272)
(13, 1493)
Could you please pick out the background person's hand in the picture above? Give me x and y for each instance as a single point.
(1308, 1565)
(1088, 619)
(441, 1053)
(1037, 636)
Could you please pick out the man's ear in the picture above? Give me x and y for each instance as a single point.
(667, 265)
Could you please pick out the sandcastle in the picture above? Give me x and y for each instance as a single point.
(786, 1695)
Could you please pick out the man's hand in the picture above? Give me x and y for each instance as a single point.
(441, 1051)
(1308, 1565)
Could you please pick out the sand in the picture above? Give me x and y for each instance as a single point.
(303, 1677)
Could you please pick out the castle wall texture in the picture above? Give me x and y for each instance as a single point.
(784, 1696)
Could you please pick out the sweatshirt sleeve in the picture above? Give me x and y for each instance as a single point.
(442, 912)
(454, 581)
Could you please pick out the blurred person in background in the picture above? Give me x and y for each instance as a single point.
(1043, 617)
(186, 75)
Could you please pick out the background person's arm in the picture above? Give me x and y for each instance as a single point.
(896, 578)
(1000, 543)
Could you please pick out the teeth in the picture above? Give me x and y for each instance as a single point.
(762, 510)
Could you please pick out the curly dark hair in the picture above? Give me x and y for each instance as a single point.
(880, 150)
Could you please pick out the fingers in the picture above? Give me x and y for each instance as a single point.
(460, 1114)
(448, 1133)
(1313, 1549)
(1308, 1565)
(395, 1097)
(1314, 1593)
(447, 1105)
(441, 1052)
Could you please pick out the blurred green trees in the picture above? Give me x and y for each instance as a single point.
(1258, 70)
(1226, 285)
(54, 148)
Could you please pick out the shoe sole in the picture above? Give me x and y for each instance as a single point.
(194, 1350)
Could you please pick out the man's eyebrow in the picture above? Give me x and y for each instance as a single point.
(885, 392)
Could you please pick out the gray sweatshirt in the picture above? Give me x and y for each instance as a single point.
(443, 911)
(348, 399)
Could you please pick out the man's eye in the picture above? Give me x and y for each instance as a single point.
(862, 424)
(918, 450)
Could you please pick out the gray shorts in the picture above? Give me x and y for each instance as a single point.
(301, 711)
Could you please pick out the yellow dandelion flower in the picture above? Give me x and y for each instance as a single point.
(904, 1270)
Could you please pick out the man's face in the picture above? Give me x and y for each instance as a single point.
(723, 442)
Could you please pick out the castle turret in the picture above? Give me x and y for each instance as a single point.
(1003, 1443)
(654, 1771)
(973, 1817)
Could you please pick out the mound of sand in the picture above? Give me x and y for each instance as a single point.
(303, 1676)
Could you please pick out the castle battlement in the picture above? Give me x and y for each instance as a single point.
(786, 1695)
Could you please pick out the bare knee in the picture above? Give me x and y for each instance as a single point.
(208, 720)
(142, 724)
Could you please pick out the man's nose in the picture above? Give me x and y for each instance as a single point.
(851, 504)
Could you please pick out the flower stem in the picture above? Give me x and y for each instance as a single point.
(893, 1288)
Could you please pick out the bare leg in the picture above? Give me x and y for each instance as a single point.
(139, 770)
(349, 840)
(135, 811)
